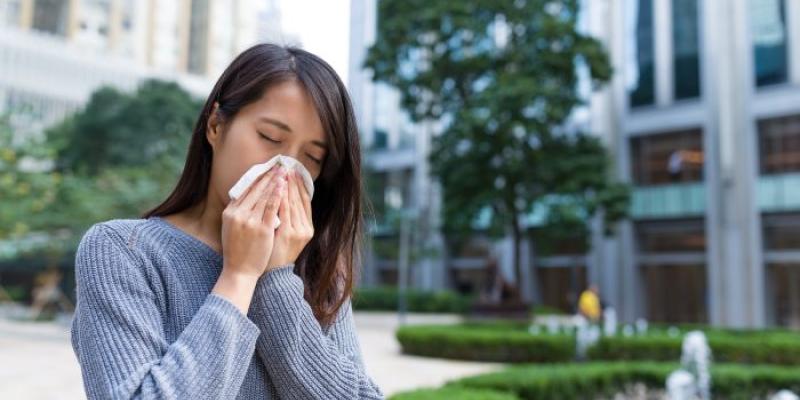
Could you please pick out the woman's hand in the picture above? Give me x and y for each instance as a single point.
(296, 228)
(248, 226)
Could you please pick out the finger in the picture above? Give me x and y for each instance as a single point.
(297, 215)
(272, 204)
(306, 203)
(286, 209)
(255, 190)
(246, 200)
(258, 209)
(251, 188)
(283, 211)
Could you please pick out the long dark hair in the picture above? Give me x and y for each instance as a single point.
(328, 263)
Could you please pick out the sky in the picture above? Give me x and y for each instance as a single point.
(323, 27)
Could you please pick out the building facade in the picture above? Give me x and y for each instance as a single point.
(702, 117)
(198, 37)
(55, 53)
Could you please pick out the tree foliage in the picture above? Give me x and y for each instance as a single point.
(116, 157)
(502, 78)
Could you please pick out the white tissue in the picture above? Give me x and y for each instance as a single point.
(257, 170)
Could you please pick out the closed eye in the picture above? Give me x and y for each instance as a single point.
(268, 138)
(315, 160)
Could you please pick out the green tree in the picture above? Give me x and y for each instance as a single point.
(119, 155)
(502, 79)
(28, 185)
(148, 127)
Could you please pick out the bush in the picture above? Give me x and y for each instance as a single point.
(591, 380)
(454, 392)
(485, 342)
(386, 299)
(781, 348)
(511, 342)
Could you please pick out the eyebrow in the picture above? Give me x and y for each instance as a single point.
(284, 127)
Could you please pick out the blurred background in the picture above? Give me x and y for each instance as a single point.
(579, 182)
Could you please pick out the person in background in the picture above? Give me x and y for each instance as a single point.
(589, 304)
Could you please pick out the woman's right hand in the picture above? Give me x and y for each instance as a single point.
(248, 223)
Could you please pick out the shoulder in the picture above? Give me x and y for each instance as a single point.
(110, 248)
(119, 230)
(123, 235)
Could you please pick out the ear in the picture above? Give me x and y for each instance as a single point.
(213, 131)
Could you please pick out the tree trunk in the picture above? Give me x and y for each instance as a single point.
(517, 235)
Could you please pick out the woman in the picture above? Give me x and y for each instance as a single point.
(201, 298)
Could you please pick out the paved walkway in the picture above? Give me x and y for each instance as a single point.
(37, 362)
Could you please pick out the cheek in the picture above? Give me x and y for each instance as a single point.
(236, 155)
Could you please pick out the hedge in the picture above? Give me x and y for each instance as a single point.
(763, 348)
(386, 299)
(454, 392)
(484, 343)
(511, 342)
(592, 380)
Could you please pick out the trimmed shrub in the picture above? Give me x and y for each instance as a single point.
(752, 348)
(484, 342)
(511, 342)
(592, 380)
(454, 392)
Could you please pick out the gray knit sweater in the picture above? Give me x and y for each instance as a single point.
(147, 326)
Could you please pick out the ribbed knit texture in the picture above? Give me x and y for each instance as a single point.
(147, 326)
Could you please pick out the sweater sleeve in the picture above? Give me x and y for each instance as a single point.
(304, 362)
(118, 336)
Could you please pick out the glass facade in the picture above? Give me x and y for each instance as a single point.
(671, 261)
(781, 232)
(51, 16)
(769, 35)
(559, 287)
(781, 244)
(666, 282)
(198, 32)
(684, 236)
(559, 263)
(686, 44)
(779, 145)
(642, 75)
(674, 157)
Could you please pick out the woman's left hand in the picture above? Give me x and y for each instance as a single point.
(296, 228)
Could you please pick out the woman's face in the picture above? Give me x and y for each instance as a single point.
(283, 121)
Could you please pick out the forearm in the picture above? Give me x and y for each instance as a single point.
(303, 361)
(209, 358)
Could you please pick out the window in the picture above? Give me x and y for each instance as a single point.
(781, 232)
(665, 283)
(381, 140)
(782, 236)
(50, 16)
(642, 76)
(686, 42)
(779, 145)
(768, 31)
(669, 252)
(664, 158)
(655, 237)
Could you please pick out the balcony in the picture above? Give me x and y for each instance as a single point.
(668, 201)
(779, 192)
